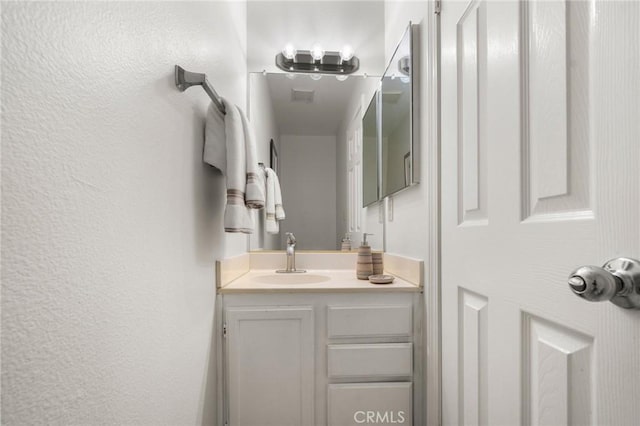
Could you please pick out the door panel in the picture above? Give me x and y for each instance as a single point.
(556, 140)
(472, 166)
(540, 154)
(473, 356)
(558, 374)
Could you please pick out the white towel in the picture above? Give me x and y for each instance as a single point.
(230, 148)
(215, 145)
(275, 210)
(254, 194)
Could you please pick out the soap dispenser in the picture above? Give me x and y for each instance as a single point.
(346, 242)
(364, 268)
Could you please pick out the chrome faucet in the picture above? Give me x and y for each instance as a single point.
(291, 252)
(291, 256)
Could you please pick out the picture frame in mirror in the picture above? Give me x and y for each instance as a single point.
(273, 157)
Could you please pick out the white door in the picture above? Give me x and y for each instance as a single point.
(270, 366)
(354, 171)
(540, 175)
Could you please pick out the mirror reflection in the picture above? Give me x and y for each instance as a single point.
(317, 130)
(370, 182)
(397, 125)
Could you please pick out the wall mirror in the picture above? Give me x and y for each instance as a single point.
(317, 129)
(370, 148)
(399, 140)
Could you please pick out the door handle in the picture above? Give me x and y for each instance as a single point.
(618, 281)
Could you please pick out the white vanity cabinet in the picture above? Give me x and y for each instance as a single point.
(323, 359)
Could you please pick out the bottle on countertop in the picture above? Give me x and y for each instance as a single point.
(364, 267)
(346, 242)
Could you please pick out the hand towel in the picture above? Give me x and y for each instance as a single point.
(275, 211)
(230, 147)
(254, 194)
(215, 140)
(236, 214)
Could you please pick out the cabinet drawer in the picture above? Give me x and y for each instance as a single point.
(376, 361)
(370, 403)
(369, 321)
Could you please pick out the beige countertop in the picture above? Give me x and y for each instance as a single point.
(318, 281)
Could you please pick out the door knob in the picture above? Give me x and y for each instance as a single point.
(617, 281)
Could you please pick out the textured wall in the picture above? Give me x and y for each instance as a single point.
(110, 222)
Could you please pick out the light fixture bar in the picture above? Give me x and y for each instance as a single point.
(331, 63)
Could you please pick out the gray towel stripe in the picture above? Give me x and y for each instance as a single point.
(243, 230)
(235, 196)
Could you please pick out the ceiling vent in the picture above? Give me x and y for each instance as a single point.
(298, 95)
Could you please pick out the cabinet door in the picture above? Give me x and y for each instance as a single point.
(270, 365)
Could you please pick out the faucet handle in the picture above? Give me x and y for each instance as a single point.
(291, 239)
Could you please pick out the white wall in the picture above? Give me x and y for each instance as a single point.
(308, 181)
(110, 221)
(263, 120)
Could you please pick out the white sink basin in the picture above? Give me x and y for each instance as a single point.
(302, 278)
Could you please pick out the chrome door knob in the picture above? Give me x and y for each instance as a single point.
(617, 281)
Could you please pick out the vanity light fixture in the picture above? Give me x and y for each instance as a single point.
(289, 51)
(316, 52)
(317, 60)
(404, 65)
(346, 53)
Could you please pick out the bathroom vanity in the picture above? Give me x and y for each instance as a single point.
(326, 350)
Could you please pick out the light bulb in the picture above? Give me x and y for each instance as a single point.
(315, 76)
(316, 52)
(289, 51)
(342, 77)
(404, 65)
(346, 53)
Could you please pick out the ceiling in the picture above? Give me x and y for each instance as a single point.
(320, 117)
(272, 24)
